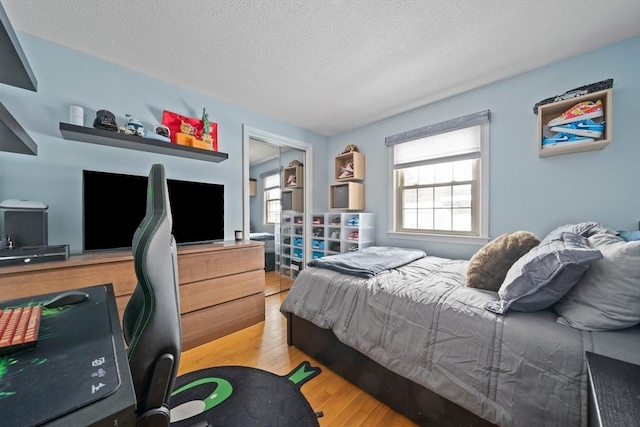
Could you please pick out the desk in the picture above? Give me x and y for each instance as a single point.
(61, 377)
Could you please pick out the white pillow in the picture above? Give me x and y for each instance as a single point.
(608, 295)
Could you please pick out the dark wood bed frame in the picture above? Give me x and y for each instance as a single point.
(414, 401)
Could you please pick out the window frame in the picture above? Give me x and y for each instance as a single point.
(267, 201)
(481, 199)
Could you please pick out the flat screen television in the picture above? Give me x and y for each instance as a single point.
(113, 206)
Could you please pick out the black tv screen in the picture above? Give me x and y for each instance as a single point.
(114, 204)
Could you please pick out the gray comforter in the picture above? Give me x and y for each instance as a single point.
(420, 321)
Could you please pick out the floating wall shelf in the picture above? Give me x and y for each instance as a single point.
(15, 71)
(13, 137)
(14, 67)
(133, 142)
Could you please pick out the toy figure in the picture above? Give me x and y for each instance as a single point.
(187, 128)
(133, 126)
(206, 128)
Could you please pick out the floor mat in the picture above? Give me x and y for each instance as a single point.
(241, 396)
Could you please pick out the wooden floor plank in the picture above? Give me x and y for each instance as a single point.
(264, 346)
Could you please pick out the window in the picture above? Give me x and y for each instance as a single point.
(439, 179)
(272, 199)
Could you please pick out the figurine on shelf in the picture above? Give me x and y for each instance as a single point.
(105, 120)
(206, 129)
(159, 133)
(206, 123)
(187, 128)
(349, 149)
(291, 181)
(162, 130)
(133, 126)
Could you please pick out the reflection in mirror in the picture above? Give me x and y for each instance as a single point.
(279, 183)
(264, 207)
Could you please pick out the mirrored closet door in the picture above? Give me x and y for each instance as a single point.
(276, 201)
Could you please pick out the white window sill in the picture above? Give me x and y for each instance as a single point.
(440, 238)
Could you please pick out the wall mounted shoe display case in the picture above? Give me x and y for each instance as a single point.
(292, 194)
(548, 112)
(294, 177)
(349, 167)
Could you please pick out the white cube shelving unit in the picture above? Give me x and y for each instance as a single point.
(334, 233)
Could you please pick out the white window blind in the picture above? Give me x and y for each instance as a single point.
(272, 181)
(461, 144)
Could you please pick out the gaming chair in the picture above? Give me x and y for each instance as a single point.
(151, 323)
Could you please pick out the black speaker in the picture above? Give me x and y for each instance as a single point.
(25, 221)
(341, 196)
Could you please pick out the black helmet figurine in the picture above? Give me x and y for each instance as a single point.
(105, 120)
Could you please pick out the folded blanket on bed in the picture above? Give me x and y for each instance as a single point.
(369, 261)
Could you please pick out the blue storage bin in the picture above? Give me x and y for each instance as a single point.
(317, 244)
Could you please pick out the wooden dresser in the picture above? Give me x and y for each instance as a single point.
(221, 284)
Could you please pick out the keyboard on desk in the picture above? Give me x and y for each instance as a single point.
(19, 328)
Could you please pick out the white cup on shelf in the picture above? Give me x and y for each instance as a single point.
(76, 115)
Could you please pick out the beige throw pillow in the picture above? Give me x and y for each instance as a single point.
(489, 266)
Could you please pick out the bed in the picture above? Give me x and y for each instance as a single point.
(269, 249)
(421, 341)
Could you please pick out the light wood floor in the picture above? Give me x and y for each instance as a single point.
(264, 346)
(274, 283)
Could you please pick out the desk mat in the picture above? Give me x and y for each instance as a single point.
(72, 364)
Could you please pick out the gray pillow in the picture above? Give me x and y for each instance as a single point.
(581, 229)
(545, 274)
(608, 296)
(489, 266)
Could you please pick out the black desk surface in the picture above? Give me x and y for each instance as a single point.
(615, 387)
(77, 374)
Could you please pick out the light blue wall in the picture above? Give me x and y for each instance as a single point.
(527, 192)
(55, 176)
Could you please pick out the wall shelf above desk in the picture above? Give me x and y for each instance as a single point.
(14, 67)
(13, 137)
(114, 139)
(15, 71)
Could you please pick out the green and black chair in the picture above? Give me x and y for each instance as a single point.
(151, 323)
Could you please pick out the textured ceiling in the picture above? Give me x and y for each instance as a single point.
(329, 66)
